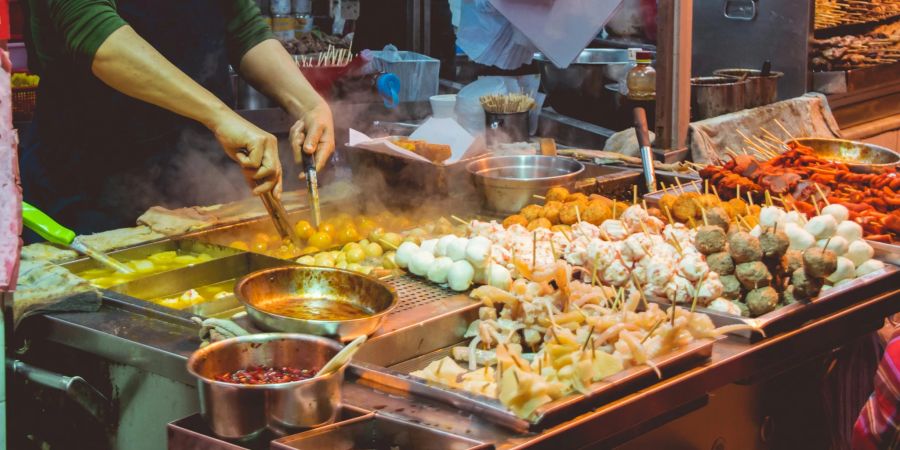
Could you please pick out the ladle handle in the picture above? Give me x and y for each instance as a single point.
(342, 357)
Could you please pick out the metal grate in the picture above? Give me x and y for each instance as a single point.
(414, 293)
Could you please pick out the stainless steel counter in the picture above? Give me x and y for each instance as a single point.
(158, 342)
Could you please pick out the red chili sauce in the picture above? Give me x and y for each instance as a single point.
(266, 375)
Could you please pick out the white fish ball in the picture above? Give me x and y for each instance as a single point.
(404, 253)
(460, 275)
(822, 227)
(498, 276)
(477, 251)
(868, 267)
(456, 250)
(850, 230)
(800, 239)
(859, 252)
(429, 245)
(420, 262)
(439, 270)
(845, 269)
(835, 243)
(839, 212)
(771, 216)
(443, 243)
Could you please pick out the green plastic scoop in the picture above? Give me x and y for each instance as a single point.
(52, 231)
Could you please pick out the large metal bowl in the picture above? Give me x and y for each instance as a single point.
(508, 183)
(238, 411)
(264, 290)
(578, 90)
(858, 156)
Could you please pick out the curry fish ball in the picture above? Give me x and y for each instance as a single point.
(577, 197)
(568, 214)
(551, 211)
(667, 202)
(531, 212)
(557, 194)
(596, 213)
(539, 223)
(515, 219)
(710, 239)
(684, 208)
(762, 301)
(744, 247)
(819, 262)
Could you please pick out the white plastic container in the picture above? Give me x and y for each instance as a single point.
(442, 106)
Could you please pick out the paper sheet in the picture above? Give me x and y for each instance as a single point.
(560, 29)
(436, 131)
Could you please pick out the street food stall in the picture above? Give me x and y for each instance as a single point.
(516, 287)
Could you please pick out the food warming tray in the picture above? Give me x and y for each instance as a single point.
(791, 316)
(387, 359)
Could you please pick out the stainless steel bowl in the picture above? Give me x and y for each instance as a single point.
(580, 87)
(508, 183)
(858, 156)
(714, 96)
(238, 411)
(263, 291)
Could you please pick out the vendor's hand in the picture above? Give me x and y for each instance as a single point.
(314, 133)
(255, 150)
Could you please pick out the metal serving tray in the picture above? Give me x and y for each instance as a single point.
(793, 315)
(377, 431)
(175, 282)
(387, 359)
(889, 253)
(144, 250)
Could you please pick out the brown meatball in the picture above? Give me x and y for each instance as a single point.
(568, 214)
(596, 213)
(577, 197)
(792, 260)
(773, 243)
(819, 262)
(532, 212)
(557, 194)
(515, 219)
(762, 301)
(720, 263)
(788, 296)
(710, 239)
(551, 211)
(539, 223)
(732, 286)
(717, 216)
(744, 247)
(753, 274)
(805, 286)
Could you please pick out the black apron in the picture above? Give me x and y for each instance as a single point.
(95, 159)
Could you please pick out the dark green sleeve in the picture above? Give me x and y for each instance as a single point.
(84, 25)
(246, 29)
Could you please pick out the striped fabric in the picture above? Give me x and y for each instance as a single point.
(878, 424)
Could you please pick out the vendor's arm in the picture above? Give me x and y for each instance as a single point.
(96, 36)
(265, 63)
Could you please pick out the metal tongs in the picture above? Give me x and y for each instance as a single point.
(312, 186)
(278, 214)
(643, 138)
(52, 231)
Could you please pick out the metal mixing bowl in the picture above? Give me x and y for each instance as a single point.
(238, 411)
(266, 289)
(579, 88)
(508, 183)
(858, 156)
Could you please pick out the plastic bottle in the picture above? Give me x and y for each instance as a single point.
(641, 80)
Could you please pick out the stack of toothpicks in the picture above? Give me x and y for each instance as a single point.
(333, 57)
(507, 104)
